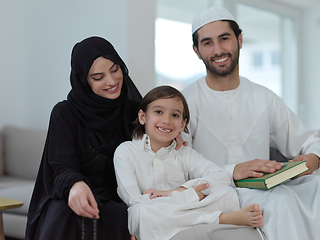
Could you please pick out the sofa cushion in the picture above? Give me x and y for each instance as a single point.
(22, 151)
(17, 189)
(14, 225)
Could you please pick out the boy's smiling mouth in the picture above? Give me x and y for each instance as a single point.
(164, 129)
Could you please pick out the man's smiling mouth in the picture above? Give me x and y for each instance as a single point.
(221, 59)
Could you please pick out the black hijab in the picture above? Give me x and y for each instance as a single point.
(108, 122)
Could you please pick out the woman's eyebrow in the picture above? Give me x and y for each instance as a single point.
(94, 74)
(113, 66)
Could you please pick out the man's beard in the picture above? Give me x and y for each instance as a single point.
(222, 72)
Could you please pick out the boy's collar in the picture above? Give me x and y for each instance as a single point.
(144, 144)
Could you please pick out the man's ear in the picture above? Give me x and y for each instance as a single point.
(195, 49)
(141, 117)
(240, 40)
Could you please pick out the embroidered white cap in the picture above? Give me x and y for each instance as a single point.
(209, 15)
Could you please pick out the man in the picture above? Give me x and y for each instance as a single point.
(234, 122)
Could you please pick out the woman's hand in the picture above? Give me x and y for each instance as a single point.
(82, 201)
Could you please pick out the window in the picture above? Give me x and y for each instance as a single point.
(262, 38)
(257, 58)
(176, 64)
(275, 58)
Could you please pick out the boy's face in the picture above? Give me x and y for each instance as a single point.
(163, 121)
(218, 47)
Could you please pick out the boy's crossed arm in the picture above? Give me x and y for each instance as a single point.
(154, 193)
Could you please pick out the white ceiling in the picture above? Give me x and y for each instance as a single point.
(191, 4)
(301, 3)
(184, 10)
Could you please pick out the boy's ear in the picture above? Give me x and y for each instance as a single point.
(141, 116)
(183, 124)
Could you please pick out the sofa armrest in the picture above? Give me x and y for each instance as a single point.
(276, 155)
(22, 151)
(1, 155)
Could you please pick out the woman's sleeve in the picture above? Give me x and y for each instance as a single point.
(128, 188)
(61, 160)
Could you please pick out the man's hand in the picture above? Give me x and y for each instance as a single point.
(312, 162)
(157, 193)
(180, 142)
(200, 188)
(82, 201)
(255, 168)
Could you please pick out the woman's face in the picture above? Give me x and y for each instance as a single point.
(105, 78)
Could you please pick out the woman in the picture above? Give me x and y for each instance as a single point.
(76, 180)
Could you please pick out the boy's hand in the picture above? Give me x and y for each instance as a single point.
(200, 188)
(157, 193)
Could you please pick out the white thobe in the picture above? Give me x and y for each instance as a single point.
(230, 127)
(138, 168)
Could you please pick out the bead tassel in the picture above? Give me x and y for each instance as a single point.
(94, 229)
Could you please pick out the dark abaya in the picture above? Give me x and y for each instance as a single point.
(83, 133)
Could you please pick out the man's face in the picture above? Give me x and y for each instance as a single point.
(218, 47)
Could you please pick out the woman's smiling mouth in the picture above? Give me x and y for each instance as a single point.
(114, 89)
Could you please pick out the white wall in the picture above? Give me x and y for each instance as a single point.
(12, 58)
(37, 38)
(309, 81)
(141, 32)
(35, 45)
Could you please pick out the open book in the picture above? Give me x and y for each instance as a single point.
(270, 180)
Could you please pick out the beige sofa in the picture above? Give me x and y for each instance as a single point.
(21, 151)
(20, 155)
